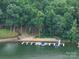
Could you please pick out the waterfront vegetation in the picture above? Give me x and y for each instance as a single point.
(4, 33)
(44, 18)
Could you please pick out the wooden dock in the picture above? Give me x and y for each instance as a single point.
(48, 40)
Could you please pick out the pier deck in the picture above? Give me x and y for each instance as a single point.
(48, 40)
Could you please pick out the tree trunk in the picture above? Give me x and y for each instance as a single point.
(14, 27)
(10, 28)
(40, 30)
(21, 28)
(29, 29)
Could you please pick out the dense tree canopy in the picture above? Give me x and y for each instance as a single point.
(45, 17)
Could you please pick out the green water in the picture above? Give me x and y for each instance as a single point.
(18, 51)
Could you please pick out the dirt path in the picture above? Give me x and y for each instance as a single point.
(8, 40)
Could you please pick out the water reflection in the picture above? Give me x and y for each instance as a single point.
(18, 51)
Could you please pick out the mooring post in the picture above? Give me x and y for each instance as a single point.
(78, 45)
(31, 43)
(54, 44)
(22, 43)
(27, 43)
(63, 44)
(49, 44)
(59, 42)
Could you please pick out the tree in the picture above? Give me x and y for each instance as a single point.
(38, 21)
(72, 34)
(48, 17)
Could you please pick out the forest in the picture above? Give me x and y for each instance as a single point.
(44, 18)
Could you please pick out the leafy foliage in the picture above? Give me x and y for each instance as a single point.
(47, 17)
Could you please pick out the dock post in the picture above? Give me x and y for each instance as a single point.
(49, 44)
(59, 42)
(22, 43)
(63, 44)
(27, 43)
(78, 45)
(31, 43)
(54, 44)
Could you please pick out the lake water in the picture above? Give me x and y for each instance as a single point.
(18, 51)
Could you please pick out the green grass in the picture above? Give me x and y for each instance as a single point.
(5, 33)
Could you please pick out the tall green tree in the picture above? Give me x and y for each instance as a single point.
(72, 34)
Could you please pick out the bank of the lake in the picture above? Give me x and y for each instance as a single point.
(5, 33)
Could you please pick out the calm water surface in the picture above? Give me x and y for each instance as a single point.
(18, 51)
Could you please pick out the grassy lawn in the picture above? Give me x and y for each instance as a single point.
(5, 33)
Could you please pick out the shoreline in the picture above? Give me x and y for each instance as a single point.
(31, 39)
